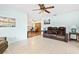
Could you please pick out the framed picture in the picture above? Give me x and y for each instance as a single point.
(47, 21)
(7, 22)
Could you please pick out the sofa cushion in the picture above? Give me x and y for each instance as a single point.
(61, 31)
(52, 30)
(49, 31)
(62, 37)
(1, 41)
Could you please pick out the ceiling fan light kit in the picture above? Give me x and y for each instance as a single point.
(43, 8)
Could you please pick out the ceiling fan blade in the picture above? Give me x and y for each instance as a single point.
(47, 11)
(49, 7)
(35, 9)
(41, 4)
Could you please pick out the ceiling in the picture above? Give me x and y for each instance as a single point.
(27, 8)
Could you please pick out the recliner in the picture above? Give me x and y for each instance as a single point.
(58, 33)
(3, 44)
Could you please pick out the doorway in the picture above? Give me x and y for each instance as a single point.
(35, 30)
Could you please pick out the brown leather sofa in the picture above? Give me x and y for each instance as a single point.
(3, 44)
(58, 33)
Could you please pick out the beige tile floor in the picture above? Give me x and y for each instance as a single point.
(41, 45)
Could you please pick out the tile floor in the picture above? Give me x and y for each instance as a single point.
(41, 45)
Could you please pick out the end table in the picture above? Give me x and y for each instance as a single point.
(76, 35)
(70, 34)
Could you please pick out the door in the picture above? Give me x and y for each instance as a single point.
(38, 27)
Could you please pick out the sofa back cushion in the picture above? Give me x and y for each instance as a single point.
(52, 30)
(61, 31)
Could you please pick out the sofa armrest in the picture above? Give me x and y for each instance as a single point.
(44, 31)
(3, 44)
(3, 38)
(66, 37)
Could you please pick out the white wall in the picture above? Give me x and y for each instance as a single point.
(67, 20)
(17, 33)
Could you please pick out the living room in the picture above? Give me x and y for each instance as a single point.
(68, 13)
(57, 16)
(63, 18)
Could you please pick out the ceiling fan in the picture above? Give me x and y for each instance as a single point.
(43, 8)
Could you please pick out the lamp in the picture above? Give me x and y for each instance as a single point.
(73, 29)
